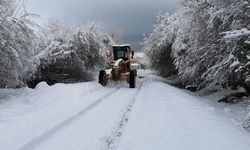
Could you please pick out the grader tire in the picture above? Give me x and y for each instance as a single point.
(102, 75)
(132, 78)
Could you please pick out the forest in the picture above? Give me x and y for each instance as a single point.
(206, 44)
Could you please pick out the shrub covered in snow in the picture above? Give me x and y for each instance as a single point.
(53, 53)
(17, 45)
(158, 45)
(72, 53)
(207, 41)
(141, 60)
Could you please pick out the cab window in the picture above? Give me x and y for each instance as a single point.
(120, 53)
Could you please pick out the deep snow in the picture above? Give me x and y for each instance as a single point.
(91, 117)
(165, 117)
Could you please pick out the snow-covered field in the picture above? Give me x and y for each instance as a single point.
(87, 116)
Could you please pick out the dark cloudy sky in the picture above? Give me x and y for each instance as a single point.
(131, 17)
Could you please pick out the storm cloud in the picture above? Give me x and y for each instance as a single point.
(132, 17)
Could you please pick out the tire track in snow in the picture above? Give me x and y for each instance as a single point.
(50, 132)
(89, 132)
(112, 141)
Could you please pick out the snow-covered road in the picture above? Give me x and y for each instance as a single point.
(87, 116)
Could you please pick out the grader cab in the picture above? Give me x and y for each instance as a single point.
(120, 61)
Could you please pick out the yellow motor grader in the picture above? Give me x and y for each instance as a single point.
(120, 61)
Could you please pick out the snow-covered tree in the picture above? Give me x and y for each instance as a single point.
(208, 40)
(92, 45)
(16, 45)
(54, 52)
(158, 45)
(71, 53)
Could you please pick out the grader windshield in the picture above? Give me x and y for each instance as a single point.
(120, 52)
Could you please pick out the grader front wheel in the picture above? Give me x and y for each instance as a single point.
(102, 76)
(132, 76)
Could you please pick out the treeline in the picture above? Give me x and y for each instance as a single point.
(206, 43)
(53, 52)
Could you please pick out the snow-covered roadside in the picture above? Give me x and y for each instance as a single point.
(165, 117)
(238, 113)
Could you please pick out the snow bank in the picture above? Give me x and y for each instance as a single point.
(41, 85)
(27, 113)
